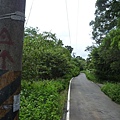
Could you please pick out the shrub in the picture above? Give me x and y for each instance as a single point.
(41, 100)
(112, 90)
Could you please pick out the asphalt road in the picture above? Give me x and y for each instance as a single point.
(87, 102)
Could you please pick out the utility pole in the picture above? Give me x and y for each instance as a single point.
(12, 17)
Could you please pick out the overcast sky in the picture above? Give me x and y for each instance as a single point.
(51, 16)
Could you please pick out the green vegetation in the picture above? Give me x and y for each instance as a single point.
(113, 91)
(47, 68)
(105, 59)
(90, 75)
(107, 14)
(104, 55)
(42, 100)
(45, 57)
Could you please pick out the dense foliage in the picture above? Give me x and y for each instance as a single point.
(105, 59)
(113, 91)
(106, 17)
(42, 100)
(105, 55)
(47, 68)
(44, 57)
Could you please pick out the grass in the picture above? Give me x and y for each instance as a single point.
(90, 75)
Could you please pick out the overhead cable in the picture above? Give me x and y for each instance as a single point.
(29, 13)
(68, 21)
(77, 23)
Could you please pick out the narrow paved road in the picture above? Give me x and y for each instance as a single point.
(87, 102)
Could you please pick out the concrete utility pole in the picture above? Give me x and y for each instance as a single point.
(12, 17)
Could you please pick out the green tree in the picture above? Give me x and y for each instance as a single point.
(44, 56)
(69, 48)
(106, 17)
(106, 57)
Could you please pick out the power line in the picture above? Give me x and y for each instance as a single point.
(29, 13)
(77, 23)
(68, 21)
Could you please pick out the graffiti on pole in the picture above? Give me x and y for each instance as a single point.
(5, 39)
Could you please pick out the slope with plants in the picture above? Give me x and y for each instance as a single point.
(47, 68)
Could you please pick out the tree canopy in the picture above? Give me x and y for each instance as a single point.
(104, 57)
(45, 57)
(106, 16)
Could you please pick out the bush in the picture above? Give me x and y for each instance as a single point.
(112, 90)
(46, 59)
(91, 75)
(105, 58)
(41, 100)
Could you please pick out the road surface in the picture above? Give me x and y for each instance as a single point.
(87, 102)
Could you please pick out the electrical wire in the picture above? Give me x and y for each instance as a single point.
(29, 13)
(68, 21)
(77, 23)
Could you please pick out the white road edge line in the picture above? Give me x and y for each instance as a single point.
(68, 102)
